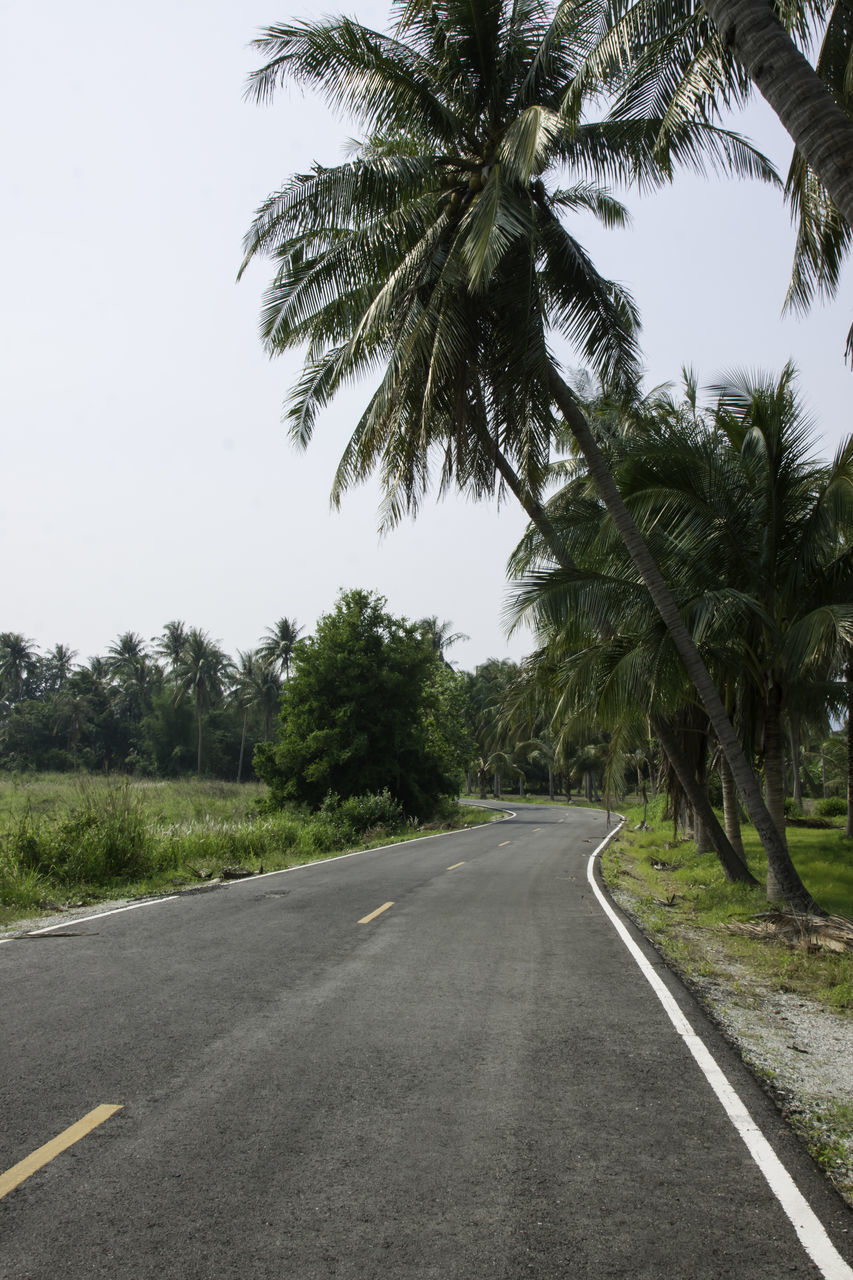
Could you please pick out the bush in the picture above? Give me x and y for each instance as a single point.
(357, 814)
(792, 809)
(832, 807)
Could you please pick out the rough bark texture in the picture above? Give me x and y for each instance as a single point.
(792, 888)
(820, 129)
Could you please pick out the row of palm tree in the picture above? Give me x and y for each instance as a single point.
(183, 661)
(754, 535)
(440, 255)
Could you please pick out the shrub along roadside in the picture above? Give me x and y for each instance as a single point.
(111, 844)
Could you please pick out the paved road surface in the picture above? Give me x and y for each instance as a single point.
(476, 1083)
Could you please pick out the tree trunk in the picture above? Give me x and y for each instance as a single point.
(731, 808)
(794, 733)
(550, 783)
(821, 130)
(734, 867)
(848, 677)
(785, 873)
(701, 834)
(198, 757)
(774, 777)
(242, 747)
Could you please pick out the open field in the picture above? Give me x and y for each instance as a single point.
(71, 839)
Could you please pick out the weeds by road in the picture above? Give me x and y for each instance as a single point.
(66, 840)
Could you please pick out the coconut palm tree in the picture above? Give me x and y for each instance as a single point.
(439, 255)
(18, 657)
(170, 646)
(256, 686)
(694, 58)
(753, 532)
(277, 647)
(439, 635)
(201, 674)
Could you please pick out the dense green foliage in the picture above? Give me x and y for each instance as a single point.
(370, 706)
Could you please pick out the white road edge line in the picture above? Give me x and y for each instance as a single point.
(809, 1228)
(233, 884)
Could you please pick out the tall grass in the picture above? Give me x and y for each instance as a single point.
(93, 837)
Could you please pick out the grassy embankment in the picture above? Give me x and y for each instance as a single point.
(66, 839)
(684, 902)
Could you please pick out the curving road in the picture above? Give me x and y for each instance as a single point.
(473, 1081)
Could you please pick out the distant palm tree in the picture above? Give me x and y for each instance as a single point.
(439, 634)
(18, 657)
(201, 674)
(256, 686)
(170, 646)
(277, 648)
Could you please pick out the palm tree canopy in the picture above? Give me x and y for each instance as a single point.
(276, 648)
(439, 258)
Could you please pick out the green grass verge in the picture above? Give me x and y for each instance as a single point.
(70, 841)
(683, 901)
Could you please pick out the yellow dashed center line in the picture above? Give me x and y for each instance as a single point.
(455, 865)
(24, 1168)
(377, 912)
(503, 842)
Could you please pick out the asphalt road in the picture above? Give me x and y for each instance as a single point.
(478, 1082)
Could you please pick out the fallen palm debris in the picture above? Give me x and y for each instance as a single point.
(811, 933)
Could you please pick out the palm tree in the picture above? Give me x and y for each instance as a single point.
(201, 674)
(277, 648)
(439, 635)
(18, 657)
(171, 645)
(256, 687)
(753, 532)
(439, 253)
(692, 59)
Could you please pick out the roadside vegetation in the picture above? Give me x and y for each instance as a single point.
(688, 908)
(741, 960)
(68, 841)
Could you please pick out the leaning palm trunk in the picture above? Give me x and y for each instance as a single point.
(786, 882)
(820, 129)
(734, 866)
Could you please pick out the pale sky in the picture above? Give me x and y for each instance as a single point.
(146, 473)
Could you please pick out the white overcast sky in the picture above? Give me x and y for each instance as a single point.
(146, 475)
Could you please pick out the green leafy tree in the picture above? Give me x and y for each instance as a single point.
(362, 713)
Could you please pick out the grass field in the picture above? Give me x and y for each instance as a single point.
(66, 838)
